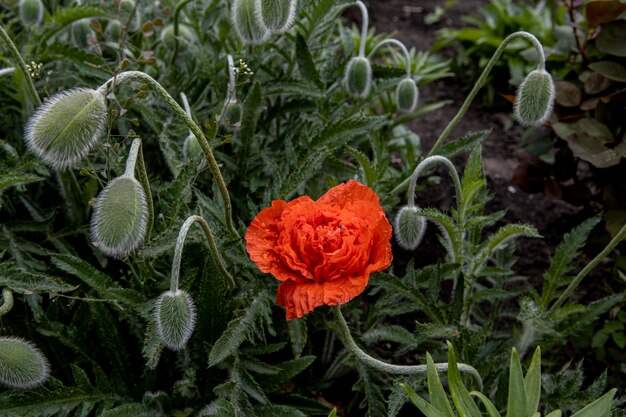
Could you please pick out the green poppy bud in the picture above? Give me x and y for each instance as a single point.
(277, 15)
(358, 78)
(407, 95)
(247, 23)
(65, 128)
(113, 32)
(81, 31)
(192, 151)
(120, 217)
(185, 37)
(409, 227)
(175, 318)
(535, 98)
(22, 365)
(31, 12)
(126, 6)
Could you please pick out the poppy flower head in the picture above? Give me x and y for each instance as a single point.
(323, 251)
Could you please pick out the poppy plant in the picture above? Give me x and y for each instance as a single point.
(323, 251)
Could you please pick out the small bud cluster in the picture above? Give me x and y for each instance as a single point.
(34, 69)
(243, 69)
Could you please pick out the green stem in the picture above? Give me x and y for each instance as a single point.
(177, 10)
(407, 56)
(426, 163)
(204, 144)
(588, 268)
(215, 254)
(145, 183)
(390, 368)
(364, 25)
(482, 80)
(7, 301)
(21, 64)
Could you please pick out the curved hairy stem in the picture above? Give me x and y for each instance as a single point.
(7, 301)
(426, 163)
(215, 254)
(204, 143)
(136, 154)
(483, 79)
(365, 17)
(177, 10)
(20, 63)
(407, 56)
(390, 368)
(588, 268)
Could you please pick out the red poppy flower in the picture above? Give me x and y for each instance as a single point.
(323, 251)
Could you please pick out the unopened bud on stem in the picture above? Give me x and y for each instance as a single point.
(65, 128)
(407, 95)
(31, 12)
(535, 98)
(358, 77)
(277, 15)
(175, 318)
(409, 227)
(22, 365)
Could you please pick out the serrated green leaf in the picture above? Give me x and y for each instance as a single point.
(278, 411)
(22, 281)
(305, 61)
(298, 334)
(464, 143)
(425, 407)
(129, 410)
(17, 178)
(371, 174)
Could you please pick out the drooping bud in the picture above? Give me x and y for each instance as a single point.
(65, 128)
(184, 39)
(192, 151)
(409, 227)
(535, 98)
(31, 12)
(175, 318)
(277, 15)
(118, 224)
(358, 77)
(81, 31)
(247, 23)
(22, 365)
(113, 31)
(407, 95)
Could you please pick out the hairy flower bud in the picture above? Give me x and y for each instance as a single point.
(192, 151)
(407, 95)
(175, 318)
(185, 37)
(119, 221)
(535, 98)
(113, 31)
(247, 23)
(409, 227)
(65, 128)
(358, 78)
(31, 12)
(277, 15)
(22, 365)
(81, 31)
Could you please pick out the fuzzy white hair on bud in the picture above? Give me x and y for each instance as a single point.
(409, 227)
(175, 318)
(22, 365)
(407, 95)
(65, 128)
(535, 98)
(31, 12)
(358, 78)
(120, 217)
(247, 23)
(277, 16)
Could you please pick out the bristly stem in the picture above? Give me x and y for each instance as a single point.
(426, 163)
(365, 17)
(215, 254)
(588, 268)
(177, 10)
(390, 368)
(7, 301)
(21, 64)
(482, 80)
(204, 144)
(145, 183)
(407, 56)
